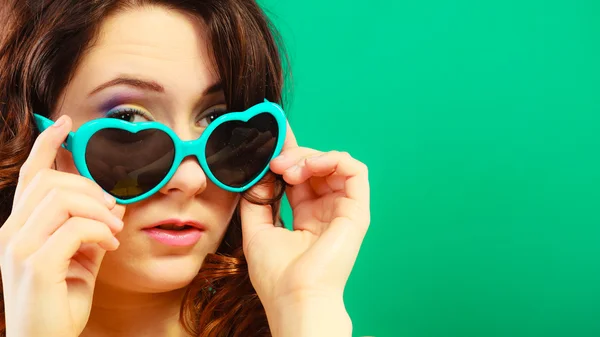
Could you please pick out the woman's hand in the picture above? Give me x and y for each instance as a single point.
(52, 244)
(307, 268)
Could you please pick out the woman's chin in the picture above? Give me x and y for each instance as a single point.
(158, 274)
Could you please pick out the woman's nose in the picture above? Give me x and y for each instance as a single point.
(188, 181)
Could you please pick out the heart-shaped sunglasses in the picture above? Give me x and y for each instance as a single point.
(132, 161)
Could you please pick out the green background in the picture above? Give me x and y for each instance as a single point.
(480, 123)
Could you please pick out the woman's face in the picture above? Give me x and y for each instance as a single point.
(154, 62)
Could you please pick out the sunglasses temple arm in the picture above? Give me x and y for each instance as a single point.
(68, 144)
(43, 123)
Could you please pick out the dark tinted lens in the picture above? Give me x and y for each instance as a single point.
(236, 152)
(129, 164)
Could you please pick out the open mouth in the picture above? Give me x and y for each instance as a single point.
(174, 227)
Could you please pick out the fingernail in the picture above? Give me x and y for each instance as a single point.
(293, 168)
(279, 158)
(116, 242)
(60, 122)
(316, 158)
(118, 223)
(110, 200)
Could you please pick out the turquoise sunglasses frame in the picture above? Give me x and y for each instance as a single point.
(77, 141)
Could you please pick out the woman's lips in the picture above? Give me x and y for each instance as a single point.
(185, 237)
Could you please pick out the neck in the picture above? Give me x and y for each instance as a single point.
(119, 313)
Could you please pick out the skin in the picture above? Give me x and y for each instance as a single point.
(62, 227)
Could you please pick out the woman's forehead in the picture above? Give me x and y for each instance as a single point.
(169, 31)
(154, 44)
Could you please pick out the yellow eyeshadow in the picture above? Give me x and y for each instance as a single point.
(130, 106)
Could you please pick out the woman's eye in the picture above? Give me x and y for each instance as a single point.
(129, 115)
(210, 116)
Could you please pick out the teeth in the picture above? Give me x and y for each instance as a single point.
(172, 227)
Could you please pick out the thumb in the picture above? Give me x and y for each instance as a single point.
(255, 217)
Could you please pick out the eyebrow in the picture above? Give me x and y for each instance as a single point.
(213, 89)
(132, 82)
(149, 85)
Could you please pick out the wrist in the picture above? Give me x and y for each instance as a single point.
(309, 316)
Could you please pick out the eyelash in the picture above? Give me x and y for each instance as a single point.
(218, 112)
(120, 112)
(115, 113)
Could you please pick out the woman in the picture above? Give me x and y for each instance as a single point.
(79, 260)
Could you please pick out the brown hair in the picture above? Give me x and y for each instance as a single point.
(250, 60)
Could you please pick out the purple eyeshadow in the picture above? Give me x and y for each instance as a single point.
(118, 99)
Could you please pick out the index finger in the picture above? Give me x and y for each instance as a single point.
(43, 153)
